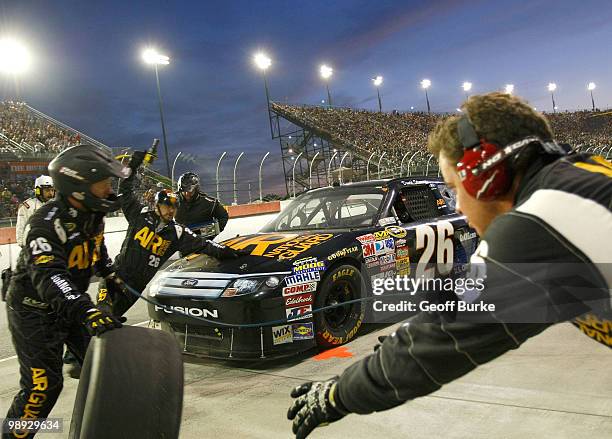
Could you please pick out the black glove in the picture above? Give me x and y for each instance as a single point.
(381, 340)
(220, 251)
(136, 160)
(116, 280)
(316, 404)
(98, 322)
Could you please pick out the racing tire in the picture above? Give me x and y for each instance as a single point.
(131, 386)
(339, 325)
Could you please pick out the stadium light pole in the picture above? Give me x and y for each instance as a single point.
(377, 83)
(551, 88)
(15, 59)
(263, 62)
(509, 89)
(326, 73)
(425, 84)
(151, 56)
(467, 86)
(590, 87)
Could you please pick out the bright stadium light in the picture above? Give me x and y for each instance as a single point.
(509, 88)
(326, 73)
(262, 61)
(425, 84)
(551, 88)
(378, 82)
(467, 86)
(14, 56)
(590, 88)
(153, 57)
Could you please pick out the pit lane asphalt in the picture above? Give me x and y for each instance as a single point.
(556, 386)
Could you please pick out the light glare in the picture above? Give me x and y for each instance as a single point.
(326, 71)
(425, 83)
(262, 61)
(552, 86)
(151, 56)
(467, 86)
(509, 88)
(14, 57)
(378, 81)
(591, 86)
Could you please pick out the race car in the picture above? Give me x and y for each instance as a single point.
(327, 247)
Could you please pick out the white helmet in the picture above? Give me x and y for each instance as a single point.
(43, 181)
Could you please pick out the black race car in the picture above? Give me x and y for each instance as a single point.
(327, 247)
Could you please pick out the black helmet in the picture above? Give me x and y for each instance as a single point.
(188, 182)
(166, 197)
(75, 169)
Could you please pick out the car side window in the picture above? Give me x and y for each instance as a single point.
(415, 203)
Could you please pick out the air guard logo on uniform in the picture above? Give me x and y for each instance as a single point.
(282, 334)
(303, 331)
(299, 312)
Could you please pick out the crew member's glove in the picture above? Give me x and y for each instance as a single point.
(113, 278)
(316, 404)
(136, 160)
(98, 322)
(220, 251)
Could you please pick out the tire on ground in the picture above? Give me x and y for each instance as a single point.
(342, 283)
(131, 386)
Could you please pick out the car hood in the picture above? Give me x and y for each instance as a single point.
(267, 253)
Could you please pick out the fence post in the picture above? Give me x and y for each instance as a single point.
(260, 166)
(368, 166)
(217, 174)
(402, 163)
(293, 171)
(427, 169)
(380, 161)
(341, 162)
(410, 163)
(235, 189)
(310, 170)
(331, 160)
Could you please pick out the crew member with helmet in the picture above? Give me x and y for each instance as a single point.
(152, 237)
(196, 209)
(47, 302)
(43, 192)
(544, 215)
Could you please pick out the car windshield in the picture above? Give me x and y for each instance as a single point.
(333, 209)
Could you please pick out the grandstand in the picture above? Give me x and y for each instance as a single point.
(394, 141)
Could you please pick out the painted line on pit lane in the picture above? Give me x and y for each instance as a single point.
(15, 356)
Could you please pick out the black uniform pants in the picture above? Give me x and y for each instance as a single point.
(113, 299)
(39, 340)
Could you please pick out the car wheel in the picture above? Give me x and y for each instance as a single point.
(338, 325)
(131, 386)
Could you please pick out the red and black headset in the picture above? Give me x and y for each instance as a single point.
(483, 169)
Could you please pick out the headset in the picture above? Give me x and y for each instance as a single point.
(483, 169)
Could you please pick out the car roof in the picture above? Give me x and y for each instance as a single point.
(406, 181)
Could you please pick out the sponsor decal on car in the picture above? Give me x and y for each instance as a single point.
(309, 287)
(282, 334)
(299, 312)
(396, 232)
(381, 234)
(369, 250)
(386, 221)
(385, 246)
(366, 238)
(467, 236)
(303, 331)
(402, 252)
(302, 278)
(343, 252)
(196, 312)
(280, 246)
(298, 300)
(400, 242)
(387, 259)
(372, 262)
(308, 264)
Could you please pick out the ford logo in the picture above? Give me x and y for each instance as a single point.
(189, 282)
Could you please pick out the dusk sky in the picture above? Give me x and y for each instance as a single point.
(87, 69)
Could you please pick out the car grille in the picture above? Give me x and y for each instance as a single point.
(194, 284)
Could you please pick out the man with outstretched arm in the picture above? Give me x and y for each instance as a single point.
(152, 237)
(544, 215)
(47, 303)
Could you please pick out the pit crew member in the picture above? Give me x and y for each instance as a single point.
(43, 192)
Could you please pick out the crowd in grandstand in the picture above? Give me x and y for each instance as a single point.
(397, 133)
(23, 127)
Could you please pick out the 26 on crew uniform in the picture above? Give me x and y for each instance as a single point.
(47, 303)
(152, 237)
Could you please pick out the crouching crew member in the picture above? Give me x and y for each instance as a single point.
(198, 210)
(152, 237)
(47, 303)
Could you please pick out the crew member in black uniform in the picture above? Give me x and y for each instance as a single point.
(47, 303)
(152, 237)
(544, 215)
(196, 209)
